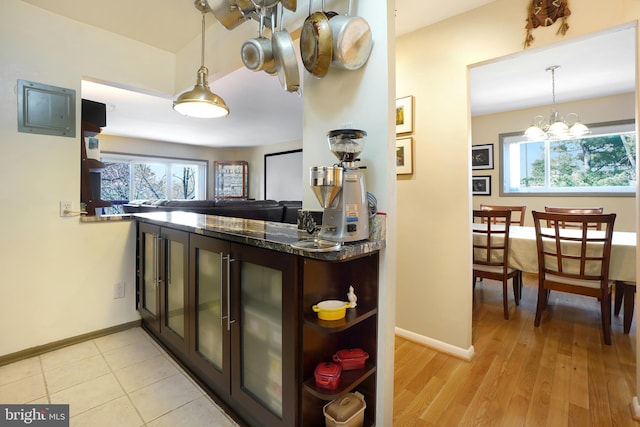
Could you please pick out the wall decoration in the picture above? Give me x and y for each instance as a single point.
(231, 180)
(544, 13)
(404, 115)
(404, 156)
(481, 185)
(482, 156)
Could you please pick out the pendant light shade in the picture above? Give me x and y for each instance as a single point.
(200, 101)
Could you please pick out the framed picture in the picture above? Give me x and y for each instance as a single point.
(404, 156)
(481, 185)
(482, 156)
(404, 115)
(231, 180)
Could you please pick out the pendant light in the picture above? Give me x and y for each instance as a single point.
(557, 128)
(200, 101)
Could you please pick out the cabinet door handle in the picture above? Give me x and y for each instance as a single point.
(159, 252)
(222, 262)
(229, 319)
(156, 259)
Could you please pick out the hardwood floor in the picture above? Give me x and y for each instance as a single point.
(559, 374)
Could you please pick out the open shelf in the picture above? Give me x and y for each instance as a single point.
(352, 318)
(349, 380)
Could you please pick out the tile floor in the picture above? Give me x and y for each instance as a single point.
(124, 379)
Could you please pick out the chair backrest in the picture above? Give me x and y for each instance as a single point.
(491, 240)
(576, 252)
(517, 212)
(557, 209)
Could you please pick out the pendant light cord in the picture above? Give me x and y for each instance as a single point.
(553, 69)
(202, 48)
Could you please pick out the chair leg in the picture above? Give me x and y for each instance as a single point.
(619, 290)
(517, 287)
(605, 309)
(543, 296)
(505, 300)
(629, 303)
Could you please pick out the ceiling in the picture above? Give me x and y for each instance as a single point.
(263, 113)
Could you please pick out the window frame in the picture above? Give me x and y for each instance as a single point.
(203, 166)
(503, 168)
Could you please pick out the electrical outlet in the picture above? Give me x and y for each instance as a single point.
(65, 207)
(118, 290)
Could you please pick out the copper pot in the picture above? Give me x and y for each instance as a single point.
(316, 43)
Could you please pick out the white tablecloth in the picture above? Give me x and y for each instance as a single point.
(523, 254)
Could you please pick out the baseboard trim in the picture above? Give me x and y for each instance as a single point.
(437, 345)
(636, 408)
(41, 349)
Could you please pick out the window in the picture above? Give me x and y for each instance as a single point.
(603, 162)
(128, 177)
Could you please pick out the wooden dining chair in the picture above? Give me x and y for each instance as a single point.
(517, 212)
(575, 260)
(491, 253)
(578, 210)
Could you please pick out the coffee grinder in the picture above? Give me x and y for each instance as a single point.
(341, 191)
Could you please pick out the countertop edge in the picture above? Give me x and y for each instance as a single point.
(263, 234)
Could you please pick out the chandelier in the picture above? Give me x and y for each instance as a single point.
(557, 128)
(200, 101)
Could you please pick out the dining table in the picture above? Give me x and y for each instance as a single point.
(523, 256)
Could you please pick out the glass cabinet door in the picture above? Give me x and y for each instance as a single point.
(150, 279)
(209, 308)
(210, 351)
(148, 275)
(174, 289)
(261, 333)
(264, 335)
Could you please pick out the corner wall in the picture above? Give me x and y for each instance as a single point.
(57, 273)
(434, 204)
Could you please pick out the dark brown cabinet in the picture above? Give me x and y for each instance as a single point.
(237, 306)
(164, 282)
(239, 317)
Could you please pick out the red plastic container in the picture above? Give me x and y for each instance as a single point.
(353, 358)
(328, 375)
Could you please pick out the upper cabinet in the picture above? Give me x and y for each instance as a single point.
(93, 118)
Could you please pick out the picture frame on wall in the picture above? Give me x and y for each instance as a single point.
(481, 185)
(404, 115)
(404, 156)
(482, 156)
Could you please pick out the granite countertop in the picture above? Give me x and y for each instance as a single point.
(264, 234)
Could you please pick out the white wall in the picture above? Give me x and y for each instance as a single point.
(364, 99)
(434, 252)
(57, 273)
(486, 128)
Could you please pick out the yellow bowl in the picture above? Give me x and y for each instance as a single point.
(331, 309)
